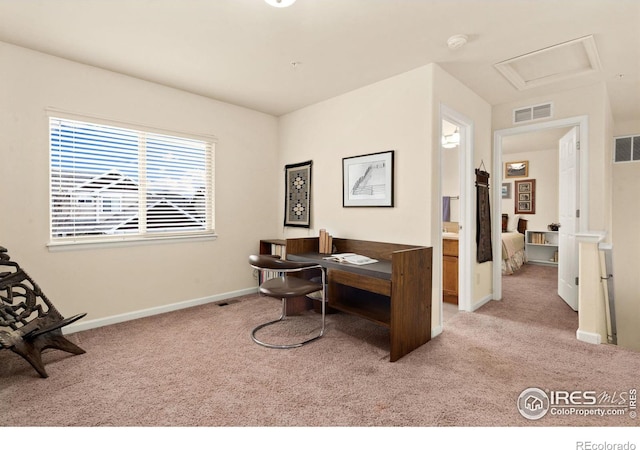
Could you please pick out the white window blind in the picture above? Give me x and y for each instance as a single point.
(116, 183)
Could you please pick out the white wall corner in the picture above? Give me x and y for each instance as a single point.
(590, 338)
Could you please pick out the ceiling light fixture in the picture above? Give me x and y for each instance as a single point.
(280, 3)
(451, 140)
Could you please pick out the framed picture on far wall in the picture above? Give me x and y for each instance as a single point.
(525, 196)
(516, 169)
(506, 190)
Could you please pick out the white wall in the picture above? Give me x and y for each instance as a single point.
(592, 102)
(543, 167)
(401, 114)
(626, 244)
(390, 115)
(393, 114)
(448, 91)
(611, 190)
(110, 281)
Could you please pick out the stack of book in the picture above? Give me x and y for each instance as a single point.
(279, 250)
(537, 238)
(325, 242)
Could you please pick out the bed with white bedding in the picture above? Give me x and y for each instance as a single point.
(513, 254)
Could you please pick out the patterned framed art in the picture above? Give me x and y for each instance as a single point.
(297, 202)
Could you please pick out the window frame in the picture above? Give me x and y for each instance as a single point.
(141, 236)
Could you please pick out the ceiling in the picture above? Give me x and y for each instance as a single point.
(277, 60)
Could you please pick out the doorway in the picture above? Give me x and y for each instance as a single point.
(455, 156)
(450, 186)
(554, 130)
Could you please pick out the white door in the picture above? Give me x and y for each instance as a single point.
(569, 218)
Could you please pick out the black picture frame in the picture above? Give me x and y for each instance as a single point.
(297, 202)
(368, 180)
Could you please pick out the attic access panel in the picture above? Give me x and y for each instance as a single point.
(569, 59)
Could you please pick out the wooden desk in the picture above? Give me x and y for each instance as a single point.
(394, 292)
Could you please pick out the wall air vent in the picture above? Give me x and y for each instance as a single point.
(627, 149)
(528, 113)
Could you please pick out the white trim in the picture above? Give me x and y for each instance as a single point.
(588, 337)
(126, 241)
(436, 331)
(96, 323)
(591, 237)
(580, 121)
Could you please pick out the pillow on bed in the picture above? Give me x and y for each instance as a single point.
(513, 223)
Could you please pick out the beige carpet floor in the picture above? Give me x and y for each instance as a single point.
(198, 368)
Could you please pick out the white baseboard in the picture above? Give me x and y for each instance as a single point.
(96, 323)
(586, 336)
(483, 301)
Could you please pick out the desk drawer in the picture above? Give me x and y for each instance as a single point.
(370, 284)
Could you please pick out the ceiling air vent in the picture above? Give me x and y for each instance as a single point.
(532, 113)
(627, 149)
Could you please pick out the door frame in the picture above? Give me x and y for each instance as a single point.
(583, 125)
(465, 159)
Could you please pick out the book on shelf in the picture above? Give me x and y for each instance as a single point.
(351, 258)
(536, 237)
(279, 250)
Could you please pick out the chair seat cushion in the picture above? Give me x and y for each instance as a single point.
(286, 287)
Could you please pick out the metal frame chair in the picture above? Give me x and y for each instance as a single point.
(285, 286)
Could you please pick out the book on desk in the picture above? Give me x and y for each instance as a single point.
(351, 258)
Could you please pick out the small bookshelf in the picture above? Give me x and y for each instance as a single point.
(541, 247)
(276, 247)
